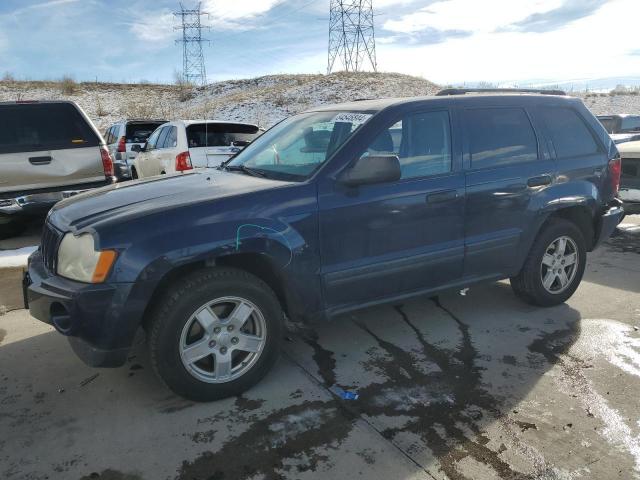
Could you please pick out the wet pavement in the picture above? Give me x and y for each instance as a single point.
(451, 387)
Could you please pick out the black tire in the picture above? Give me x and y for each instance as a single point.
(134, 174)
(181, 301)
(528, 284)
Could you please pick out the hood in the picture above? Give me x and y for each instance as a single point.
(124, 201)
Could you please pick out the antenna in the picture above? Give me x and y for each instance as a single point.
(352, 40)
(193, 67)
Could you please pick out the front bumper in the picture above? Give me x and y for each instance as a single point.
(100, 321)
(608, 223)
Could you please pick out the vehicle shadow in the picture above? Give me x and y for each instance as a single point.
(432, 375)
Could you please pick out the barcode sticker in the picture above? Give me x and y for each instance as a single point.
(352, 117)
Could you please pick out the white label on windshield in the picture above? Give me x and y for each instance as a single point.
(353, 118)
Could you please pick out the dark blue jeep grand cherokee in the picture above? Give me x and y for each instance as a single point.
(331, 210)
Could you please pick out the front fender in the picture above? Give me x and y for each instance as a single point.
(156, 255)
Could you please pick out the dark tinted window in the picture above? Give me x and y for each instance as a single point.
(500, 136)
(608, 123)
(570, 135)
(421, 141)
(32, 127)
(221, 134)
(140, 132)
(630, 124)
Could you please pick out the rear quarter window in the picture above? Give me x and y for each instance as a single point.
(569, 133)
(500, 136)
(34, 127)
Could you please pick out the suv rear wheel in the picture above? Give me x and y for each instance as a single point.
(216, 334)
(554, 268)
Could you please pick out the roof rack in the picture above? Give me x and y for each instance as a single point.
(463, 91)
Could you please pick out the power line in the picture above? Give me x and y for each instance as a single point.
(193, 66)
(352, 41)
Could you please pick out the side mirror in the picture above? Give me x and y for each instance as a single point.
(371, 170)
(136, 148)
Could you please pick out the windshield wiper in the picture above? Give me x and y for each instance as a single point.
(245, 169)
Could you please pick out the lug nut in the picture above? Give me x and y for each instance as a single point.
(234, 340)
(217, 330)
(212, 343)
(230, 328)
(223, 350)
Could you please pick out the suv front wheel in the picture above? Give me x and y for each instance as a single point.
(554, 268)
(215, 334)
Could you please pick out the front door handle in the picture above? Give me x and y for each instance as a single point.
(40, 160)
(440, 197)
(540, 181)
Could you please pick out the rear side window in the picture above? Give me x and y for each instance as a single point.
(140, 132)
(53, 126)
(221, 135)
(153, 139)
(570, 135)
(171, 140)
(500, 136)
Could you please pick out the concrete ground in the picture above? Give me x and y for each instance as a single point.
(479, 386)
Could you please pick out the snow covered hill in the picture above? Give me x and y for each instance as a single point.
(263, 100)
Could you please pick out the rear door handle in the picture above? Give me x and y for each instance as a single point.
(40, 160)
(540, 181)
(440, 197)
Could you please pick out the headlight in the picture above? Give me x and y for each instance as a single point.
(78, 259)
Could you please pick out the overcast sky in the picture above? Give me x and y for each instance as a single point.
(447, 41)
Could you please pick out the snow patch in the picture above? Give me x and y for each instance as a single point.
(16, 258)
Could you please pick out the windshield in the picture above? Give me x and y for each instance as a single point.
(295, 148)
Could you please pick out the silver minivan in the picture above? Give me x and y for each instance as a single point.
(49, 150)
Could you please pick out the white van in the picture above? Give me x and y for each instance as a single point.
(186, 144)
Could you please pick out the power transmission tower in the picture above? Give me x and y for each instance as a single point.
(352, 40)
(193, 67)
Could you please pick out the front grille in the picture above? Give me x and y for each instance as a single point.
(51, 238)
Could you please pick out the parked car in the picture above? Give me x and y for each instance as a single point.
(622, 127)
(48, 151)
(630, 181)
(121, 138)
(332, 210)
(182, 145)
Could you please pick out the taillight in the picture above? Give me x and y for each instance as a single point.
(122, 145)
(107, 162)
(615, 171)
(183, 162)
